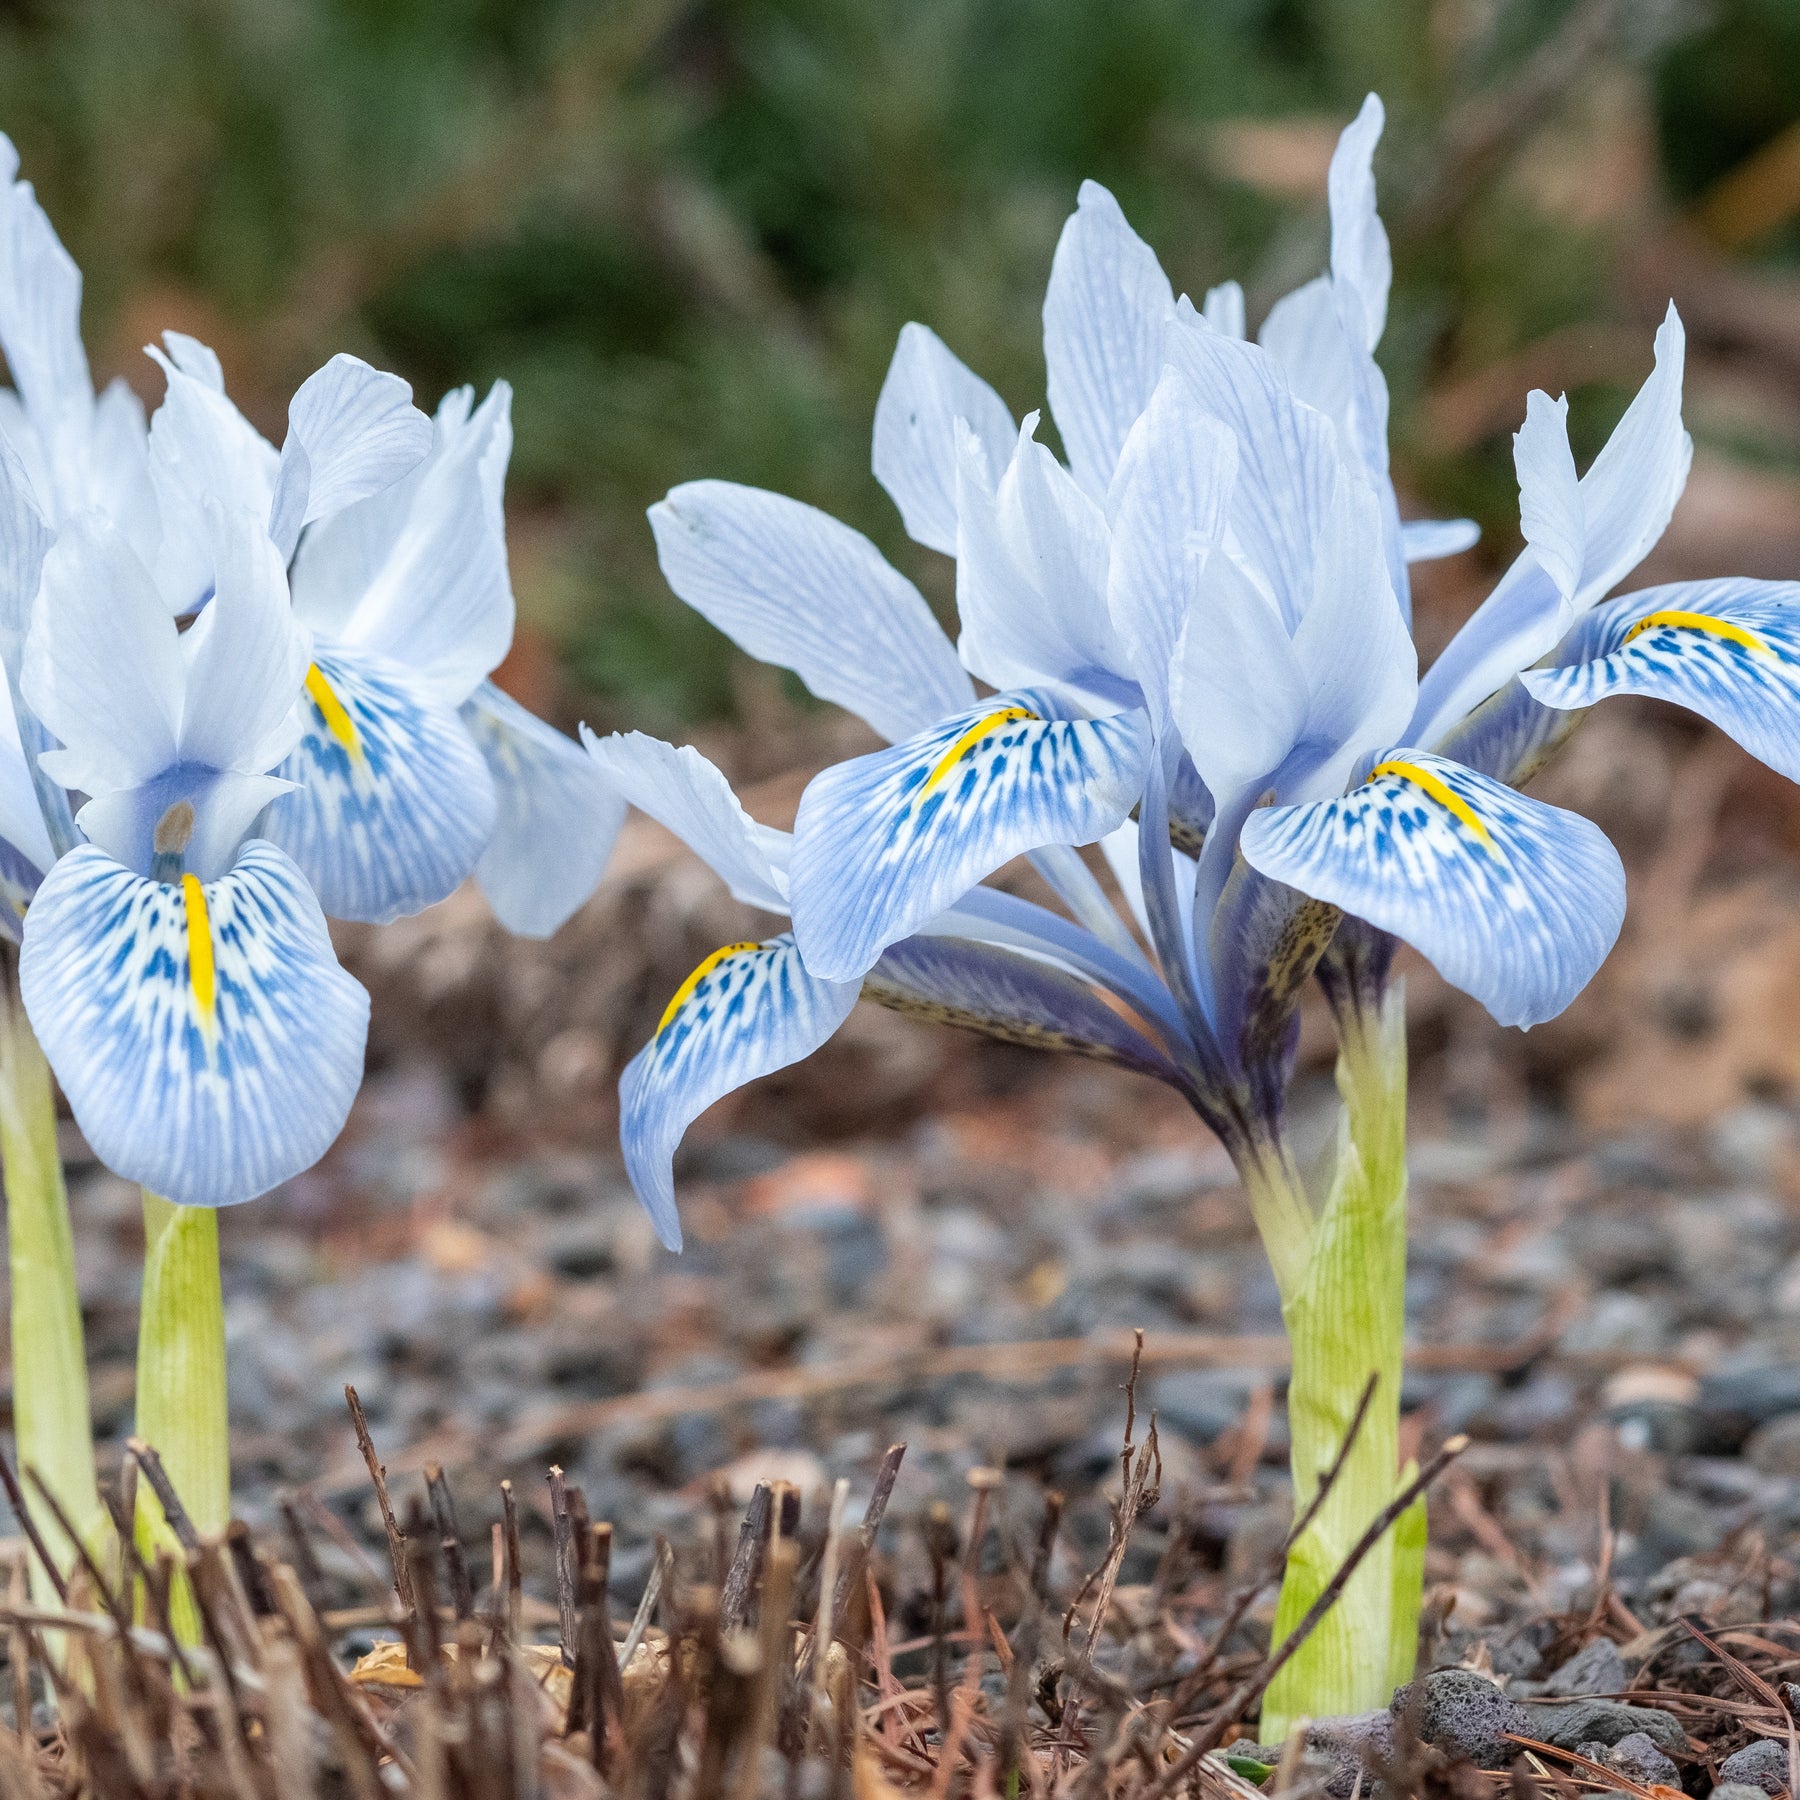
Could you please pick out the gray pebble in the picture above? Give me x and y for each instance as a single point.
(1595, 1669)
(1602, 1721)
(1737, 1790)
(1638, 1759)
(1763, 1764)
(1774, 1447)
(1465, 1714)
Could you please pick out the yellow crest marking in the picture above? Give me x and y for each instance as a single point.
(331, 709)
(1007, 715)
(1440, 791)
(685, 992)
(1693, 621)
(202, 976)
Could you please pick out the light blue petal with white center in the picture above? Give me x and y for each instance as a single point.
(1728, 650)
(208, 1042)
(1512, 901)
(1011, 997)
(747, 1010)
(883, 842)
(1104, 314)
(1428, 540)
(792, 586)
(926, 391)
(555, 822)
(395, 803)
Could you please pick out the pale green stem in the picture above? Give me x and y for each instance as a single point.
(52, 1424)
(181, 1410)
(1346, 1320)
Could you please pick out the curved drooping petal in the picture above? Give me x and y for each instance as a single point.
(1728, 650)
(1011, 997)
(1426, 540)
(1105, 311)
(685, 794)
(1031, 575)
(793, 587)
(352, 431)
(1619, 509)
(395, 804)
(747, 1010)
(208, 1042)
(555, 821)
(926, 391)
(417, 572)
(1512, 901)
(885, 841)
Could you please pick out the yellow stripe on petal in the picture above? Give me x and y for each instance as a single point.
(1440, 791)
(685, 992)
(202, 977)
(1693, 621)
(331, 709)
(1007, 715)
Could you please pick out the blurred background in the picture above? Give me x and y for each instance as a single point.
(688, 232)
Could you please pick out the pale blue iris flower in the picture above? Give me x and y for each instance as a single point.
(1203, 620)
(242, 681)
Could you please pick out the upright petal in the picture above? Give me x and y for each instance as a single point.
(1552, 514)
(793, 587)
(1426, 540)
(685, 794)
(926, 391)
(25, 539)
(885, 841)
(747, 1010)
(103, 668)
(1510, 900)
(208, 1042)
(1011, 997)
(1360, 258)
(352, 431)
(1223, 309)
(555, 822)
(441, 601)
(1104, 314)
(1728, 650)
(1168, 503)
(395, 804)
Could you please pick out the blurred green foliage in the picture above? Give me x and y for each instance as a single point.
(688, 233)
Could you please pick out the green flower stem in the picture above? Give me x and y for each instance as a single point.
(181, 1374)
(52, 1424)
(1346, 1320)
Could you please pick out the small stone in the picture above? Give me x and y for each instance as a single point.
(1737, 1790)
(1465, 1714)
(1638, 1759)
(1774, 1447)
(1763, 1764)
(1596, 1669)
(1602, 1721)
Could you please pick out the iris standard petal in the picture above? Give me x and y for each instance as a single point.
(685, 794)
(747, 1010)
(352, 431)
(1104, 314)
(208, 1042)
(793, 587)
(1223, 308)
(884, 841)
(926, 391)
(1011, 997)
(555, 821)
(1360, 259)
(395, 804)
(1426, 540)
(1728, 650)
(1512, 901)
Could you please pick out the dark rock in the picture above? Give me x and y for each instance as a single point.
(1763, 1764)
(1342, 1752)
(1734, 1402)
(1601, 1721)
(1465, 1714)
(1519, 1650)
(1597, 1669)
(1638, 1759)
